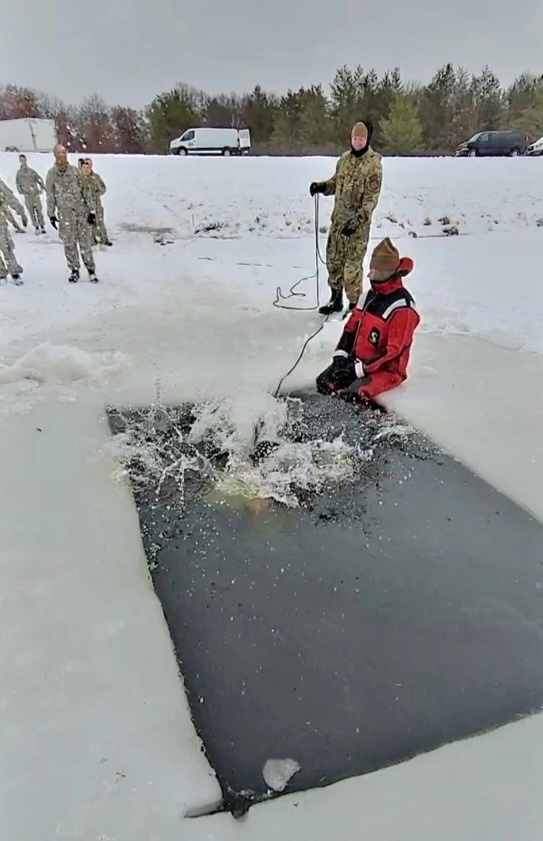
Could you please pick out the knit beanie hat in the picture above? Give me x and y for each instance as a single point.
(385, 259)
(360, 129)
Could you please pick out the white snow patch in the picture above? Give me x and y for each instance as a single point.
(51, 372)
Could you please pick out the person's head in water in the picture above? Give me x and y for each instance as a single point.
(386, 265)
(361, 137)
(61, 156)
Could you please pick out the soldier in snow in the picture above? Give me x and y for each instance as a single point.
(356, 186)
(30, 185)
(8, 261)
(69, 196)
(98, 188)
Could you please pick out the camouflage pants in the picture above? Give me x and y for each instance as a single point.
(8, 261)
(98, 231)
(35, 212)
(344, 259)
(75, 234)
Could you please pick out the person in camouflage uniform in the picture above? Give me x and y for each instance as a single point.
(356, 186)
(98, 188)
(69, 196)
(30, 185)
(13, 221)
(8, 261)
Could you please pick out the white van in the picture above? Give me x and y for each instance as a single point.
(535, 149)
(27, 135)
(212, 141)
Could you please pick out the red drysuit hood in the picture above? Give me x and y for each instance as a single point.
(386, 287)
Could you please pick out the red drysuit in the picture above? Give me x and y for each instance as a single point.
(378, 338)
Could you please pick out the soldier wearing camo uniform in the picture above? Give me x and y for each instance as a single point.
(30, 185)
(356, 186)
(70, 198)
(8, 262)
(98, 188)
(13, 221)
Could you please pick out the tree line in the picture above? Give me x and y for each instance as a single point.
(408, 118)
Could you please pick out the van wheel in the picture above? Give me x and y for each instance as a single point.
(472, 153)
(181, 151)
(226, 153)
(514, 153)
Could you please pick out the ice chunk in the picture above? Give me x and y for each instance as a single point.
(278, 772)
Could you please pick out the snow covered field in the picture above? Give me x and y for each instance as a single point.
(96, 738)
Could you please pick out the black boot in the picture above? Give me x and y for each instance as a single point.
(74, 277)
(335, 304)
(349, 309)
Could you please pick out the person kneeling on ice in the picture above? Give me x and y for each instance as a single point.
(373, 352)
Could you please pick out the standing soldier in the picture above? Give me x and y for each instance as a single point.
(30, 185)
(8, 261)
(99, 188)
(69, 196)
(356, 186)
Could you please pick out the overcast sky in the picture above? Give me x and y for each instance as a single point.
(127, 52)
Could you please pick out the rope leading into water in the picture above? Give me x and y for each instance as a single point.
(279, 297)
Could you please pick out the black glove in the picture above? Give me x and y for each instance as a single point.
(350, 227)
(54, 221)
(24, 220)
(344, 374)
(339, 362)
(91, 218)
(316, 187)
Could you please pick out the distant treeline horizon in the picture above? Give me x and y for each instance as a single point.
(408, 118)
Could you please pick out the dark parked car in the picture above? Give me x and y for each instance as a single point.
(495, 144)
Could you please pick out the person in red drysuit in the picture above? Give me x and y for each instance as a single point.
(373, 352)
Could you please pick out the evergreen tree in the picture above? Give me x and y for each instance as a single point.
(401, 131)
(172, 113)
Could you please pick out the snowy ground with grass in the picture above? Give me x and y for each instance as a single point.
(97, 741)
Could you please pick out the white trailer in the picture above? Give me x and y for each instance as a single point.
(212, 141)
(27, 135)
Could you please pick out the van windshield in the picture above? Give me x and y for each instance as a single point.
(475, 137)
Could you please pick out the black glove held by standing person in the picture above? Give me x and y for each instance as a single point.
(54, 221)
(316, 187)
(91, 218)
(350, 227)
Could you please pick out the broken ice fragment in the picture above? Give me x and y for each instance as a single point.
(277, 772)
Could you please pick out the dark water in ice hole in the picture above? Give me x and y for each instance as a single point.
(399, 613)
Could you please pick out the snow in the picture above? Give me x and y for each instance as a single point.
(96, 736)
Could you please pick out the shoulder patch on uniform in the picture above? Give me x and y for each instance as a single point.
(374, 182)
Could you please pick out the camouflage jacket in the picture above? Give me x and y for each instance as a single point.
(11, 199)
(98, 185)
(7, 201)
(67, 191)
(29, 182)
(356, 185)
(96, 188)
